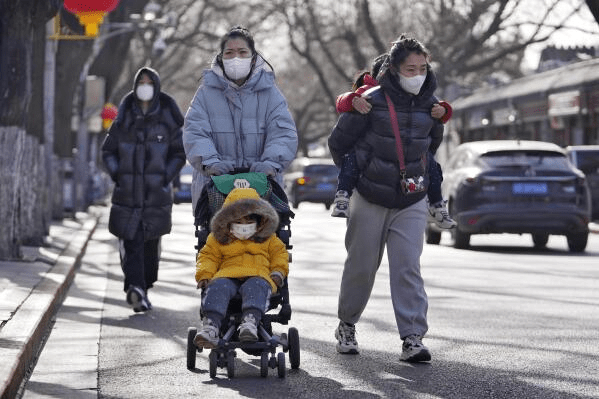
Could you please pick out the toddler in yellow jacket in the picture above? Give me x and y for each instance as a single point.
(242, 254)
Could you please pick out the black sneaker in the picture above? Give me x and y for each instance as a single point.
(137, 299)
(414, 351)
(346, 335)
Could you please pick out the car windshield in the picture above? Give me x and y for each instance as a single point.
(588, 161)
(537, 159)
(321, 170)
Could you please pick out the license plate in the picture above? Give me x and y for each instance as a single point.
(529, 188)
(325, 186)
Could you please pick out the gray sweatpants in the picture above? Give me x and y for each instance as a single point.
(369, 229)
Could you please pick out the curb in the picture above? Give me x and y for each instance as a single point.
(24, 334)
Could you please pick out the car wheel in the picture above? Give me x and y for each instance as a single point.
(540, 240)
(328, 205)
(294, 201)
(577, 242)
(461, 240)
(432, 236)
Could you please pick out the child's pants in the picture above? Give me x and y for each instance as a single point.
(255, 296)
(348, 173)
(435, 175)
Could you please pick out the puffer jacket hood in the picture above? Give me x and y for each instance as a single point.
(155, 80)
(241, 202)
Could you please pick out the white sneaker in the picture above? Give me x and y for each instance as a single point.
(207, 337)
(438, 212)
(413, 350)
(248, 329)
(341, 204)
(346, 337)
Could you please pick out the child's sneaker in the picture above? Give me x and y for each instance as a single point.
(413, 350)
(248, 329)
(346, 335)
(341, 204)
(207, 337)
(439, 214)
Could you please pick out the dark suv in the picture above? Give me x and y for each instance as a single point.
(311, 180)
(586, 158)
(509, 186)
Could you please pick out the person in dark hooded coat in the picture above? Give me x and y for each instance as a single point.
(143, 153)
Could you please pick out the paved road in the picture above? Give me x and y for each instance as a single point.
(506, 321)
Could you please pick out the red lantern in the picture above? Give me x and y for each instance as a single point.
(109, 113)
(90, 12)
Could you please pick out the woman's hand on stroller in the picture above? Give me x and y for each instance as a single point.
(202, 284)
(217, 169)
(263, 167)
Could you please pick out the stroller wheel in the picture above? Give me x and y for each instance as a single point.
(212, 358)
(294, 348)
(191, 348)
(281, 364)
(231, 364)
(264, 365)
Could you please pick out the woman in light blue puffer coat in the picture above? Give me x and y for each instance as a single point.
(238, 118)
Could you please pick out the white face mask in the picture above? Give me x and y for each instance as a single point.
(237, 68)
(412, 84)
(145, 91)
(243, 231)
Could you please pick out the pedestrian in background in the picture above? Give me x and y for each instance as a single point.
(238, 118)
(143, 153)
(388, 209)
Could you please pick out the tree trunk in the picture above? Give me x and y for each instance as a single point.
(23, 178)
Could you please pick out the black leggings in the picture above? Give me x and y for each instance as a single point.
(139, 260)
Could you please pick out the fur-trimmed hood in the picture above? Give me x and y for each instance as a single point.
(242, 202)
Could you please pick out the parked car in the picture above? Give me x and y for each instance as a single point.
(311, 180)
(586, 158)
(510, 186)
(182, 185)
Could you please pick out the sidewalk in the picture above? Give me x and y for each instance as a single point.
(33, 289)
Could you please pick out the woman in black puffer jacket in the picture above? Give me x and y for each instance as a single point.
(143, 153)
(382, 214)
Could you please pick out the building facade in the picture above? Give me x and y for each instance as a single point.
(560, 106)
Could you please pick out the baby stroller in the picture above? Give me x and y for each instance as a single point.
(279, 310)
